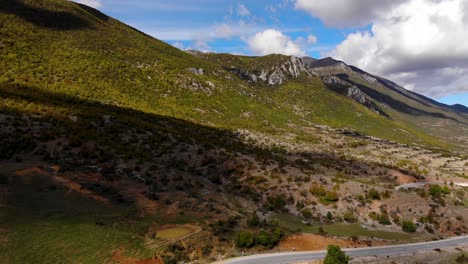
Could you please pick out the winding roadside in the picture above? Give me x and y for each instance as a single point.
(295, 257)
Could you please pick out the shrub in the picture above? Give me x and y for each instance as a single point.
(262, 239)
(384, 219)
(321, 231)
(335, 256)
(276, 202)
(253, 221)
(306, 213)
(386, 194)
(374, 194)
(349, 216)
(408, 226)
(245, 239)
(374, 216)
(436, 191)
(332, 196)
(317, 190)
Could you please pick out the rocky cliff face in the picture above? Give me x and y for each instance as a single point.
(276, 75)
(343, 87)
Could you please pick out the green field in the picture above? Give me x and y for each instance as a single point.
(345, 230)
(174, 233)
(44, 223)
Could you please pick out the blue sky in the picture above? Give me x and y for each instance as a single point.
(191, 23)
(409, 51)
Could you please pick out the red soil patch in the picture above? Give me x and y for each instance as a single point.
(306, 242)
(402, 178)
(73, 186)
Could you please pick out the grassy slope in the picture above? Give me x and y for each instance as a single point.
(106, 61)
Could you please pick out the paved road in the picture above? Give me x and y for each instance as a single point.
(293, 257)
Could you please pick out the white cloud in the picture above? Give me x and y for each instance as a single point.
(346, 13)
(311, 39)
(272, 41)
(91, 3)
(242, 10)
(420, 44)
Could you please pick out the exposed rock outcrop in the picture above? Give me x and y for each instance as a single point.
(343, 87)
(276, 75)
(196, 71)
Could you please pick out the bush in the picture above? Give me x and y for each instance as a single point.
(276, 202)
(386, 194)
(317, 190)
(349, 216)
(408, 226)
(262, 239)
(374, 194)
(307, 213)
(384, 219)
(335, 256)
(245, 239)
(266, 238)
(253, 221)
(332, 196)
(374, 216)
(436, 191)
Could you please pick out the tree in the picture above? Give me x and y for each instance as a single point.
(335, 256)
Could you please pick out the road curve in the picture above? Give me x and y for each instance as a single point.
(294, 257)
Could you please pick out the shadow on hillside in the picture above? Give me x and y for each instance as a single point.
(184, 131)
(87, 126)
(43, 17)
(88, 111)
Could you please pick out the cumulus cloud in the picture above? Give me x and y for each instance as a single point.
(346, 13)
(91, 3)
(420, 44)
(242, 10)
(272, 41)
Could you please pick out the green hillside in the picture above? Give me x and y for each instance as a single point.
(109, 136)
(79, 52)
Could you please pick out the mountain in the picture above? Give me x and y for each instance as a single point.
(117, 147)
(459, 108)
